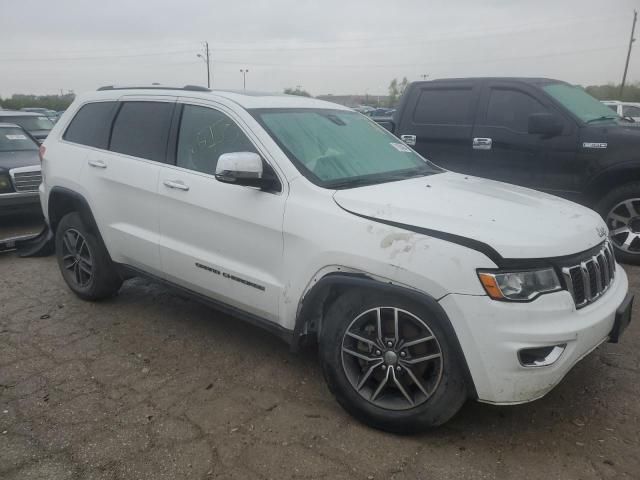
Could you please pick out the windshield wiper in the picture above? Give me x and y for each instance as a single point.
(352, 182)
(603, 117)
(410, 174)
(360, 182)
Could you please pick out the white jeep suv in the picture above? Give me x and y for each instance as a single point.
(422, 287)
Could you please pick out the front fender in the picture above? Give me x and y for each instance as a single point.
(313, 306)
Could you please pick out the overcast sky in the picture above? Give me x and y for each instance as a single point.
(326, 46)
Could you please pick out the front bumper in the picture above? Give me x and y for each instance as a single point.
(492, 333)
(16, 202)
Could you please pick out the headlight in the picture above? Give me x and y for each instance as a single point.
(5, 184)
(519, 286)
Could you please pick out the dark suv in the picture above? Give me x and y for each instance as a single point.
(37, 124)
(536, 132)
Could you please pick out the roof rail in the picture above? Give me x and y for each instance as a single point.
(192, 88)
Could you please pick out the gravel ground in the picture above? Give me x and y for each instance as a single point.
(150, 385)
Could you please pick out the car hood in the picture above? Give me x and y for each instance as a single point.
(516, 222)
(9, 160)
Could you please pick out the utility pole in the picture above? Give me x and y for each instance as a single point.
(205, 57)
(631, 40)
(244, 72)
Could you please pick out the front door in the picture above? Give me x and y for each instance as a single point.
(218, 239)
(504, 150)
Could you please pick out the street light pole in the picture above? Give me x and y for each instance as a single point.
(244, 72)
(206, 60)
(631, 40)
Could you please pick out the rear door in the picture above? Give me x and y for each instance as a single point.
(439, 118)
(218, 239)
(122, 180)
(504, 150)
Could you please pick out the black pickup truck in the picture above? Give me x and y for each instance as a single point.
(536, 132)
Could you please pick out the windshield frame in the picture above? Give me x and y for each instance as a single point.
(343, 183)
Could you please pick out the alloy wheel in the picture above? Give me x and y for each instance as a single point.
(623, 221)
(76, 257)
(392, 358)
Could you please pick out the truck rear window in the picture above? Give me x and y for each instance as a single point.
(444, 106)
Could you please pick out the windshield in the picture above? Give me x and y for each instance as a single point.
(30, 123)
(341, 149)
(14, 139)
(580, 103)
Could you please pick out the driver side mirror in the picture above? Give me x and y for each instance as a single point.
(244, 168)
(544, 124)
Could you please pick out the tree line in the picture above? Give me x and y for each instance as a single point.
(396, 89)
(52, 102)
(610, 91)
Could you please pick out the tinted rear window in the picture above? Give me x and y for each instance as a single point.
(141, 130)
(444, 106)
(91, 125)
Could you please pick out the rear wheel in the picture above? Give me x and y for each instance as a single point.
(621, 210)
(84, 261)
(389, 362)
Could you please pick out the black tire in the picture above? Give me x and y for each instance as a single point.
(448, 395)
(90, 274)
(610, 204)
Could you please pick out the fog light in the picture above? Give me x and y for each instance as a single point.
(5, 184)
(541, 356)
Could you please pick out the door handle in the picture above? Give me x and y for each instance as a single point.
(176, 184)
(408, 139)
(482, 143)
(97, 163)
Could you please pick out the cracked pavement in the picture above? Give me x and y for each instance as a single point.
(151, 385)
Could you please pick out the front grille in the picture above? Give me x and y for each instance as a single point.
(28, 181)
(590, 278)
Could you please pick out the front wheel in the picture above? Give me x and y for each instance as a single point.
(390, 363)
(620, 209)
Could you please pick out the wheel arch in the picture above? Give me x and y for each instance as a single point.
(315, 302)
(63, 201)
(610, 178)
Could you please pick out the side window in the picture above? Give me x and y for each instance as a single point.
(91, 125)
(511, 109)
(141, 130)
(613, 107)
(631, 111)
(441, 106)
(204, 135)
